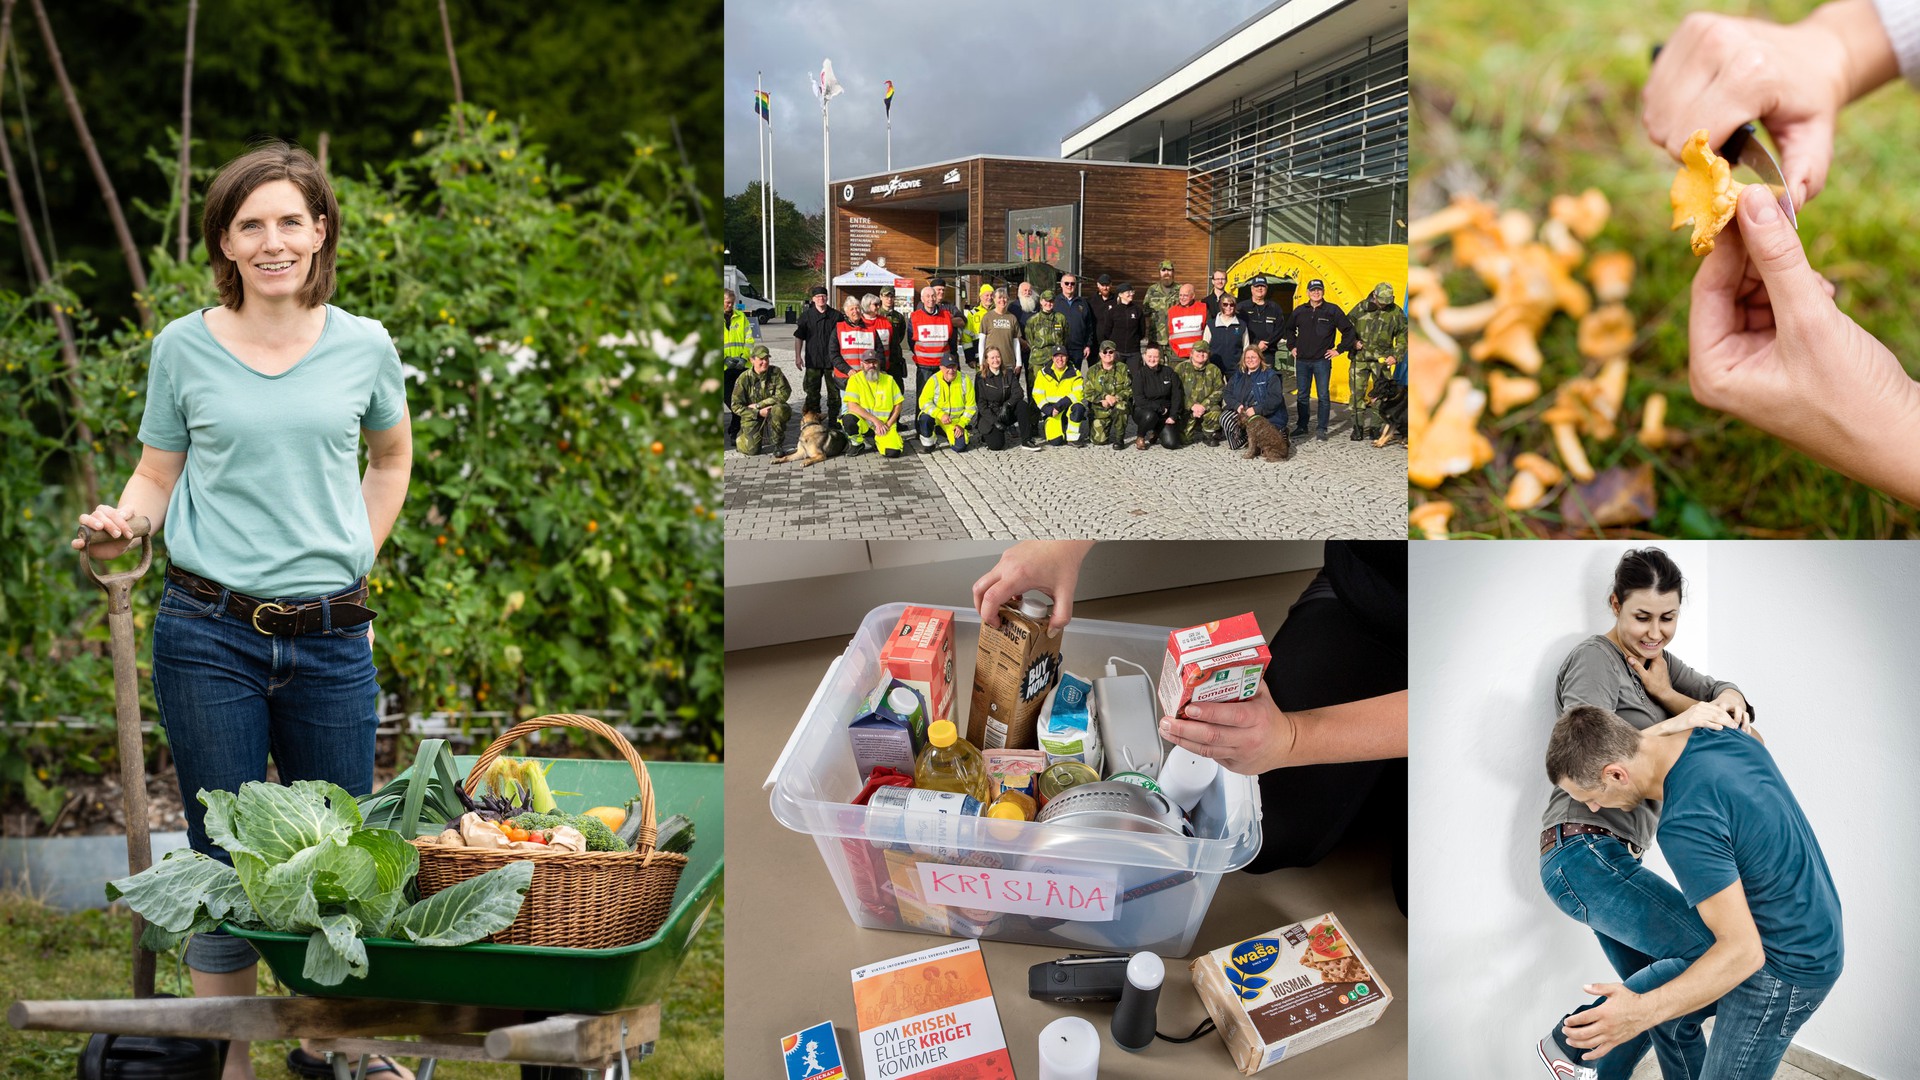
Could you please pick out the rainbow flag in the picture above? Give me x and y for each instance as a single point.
(889, 98)
(763, 105)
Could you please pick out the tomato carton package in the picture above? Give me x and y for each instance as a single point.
(1216, 661)
(920, 654)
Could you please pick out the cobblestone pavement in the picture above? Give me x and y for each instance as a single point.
(1337, 488)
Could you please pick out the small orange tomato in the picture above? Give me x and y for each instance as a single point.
(440, 540)
(593, 526)
(659, 447)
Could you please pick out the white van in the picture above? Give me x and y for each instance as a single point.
(745, 296)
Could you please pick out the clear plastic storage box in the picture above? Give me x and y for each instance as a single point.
(1054, 885)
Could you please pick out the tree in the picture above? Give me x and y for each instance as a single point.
(797, 237)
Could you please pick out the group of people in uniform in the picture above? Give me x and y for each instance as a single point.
(1055, 369)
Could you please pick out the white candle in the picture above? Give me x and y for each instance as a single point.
(1185, 776)
(1069, 1050)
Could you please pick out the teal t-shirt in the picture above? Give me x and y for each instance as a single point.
(1729, 816)
(269, 503)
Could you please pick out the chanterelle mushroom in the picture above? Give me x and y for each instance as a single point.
(1506, 391)
(1448, 444)
(1431, 518)
(1586, 213)
(1704, 194)
(1606, 331)
(1611, 273)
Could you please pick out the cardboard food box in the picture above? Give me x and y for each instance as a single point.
(1289, 990)
(1016, 664)
(920, 654)
(1216, 661)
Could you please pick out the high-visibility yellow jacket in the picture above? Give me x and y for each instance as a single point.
(878, 395)
(1049, 388)
(737, 342)
(939, 398)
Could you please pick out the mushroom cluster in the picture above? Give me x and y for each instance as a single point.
(1533, 273)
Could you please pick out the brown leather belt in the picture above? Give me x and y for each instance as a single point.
(1553, 836)
(346, 608)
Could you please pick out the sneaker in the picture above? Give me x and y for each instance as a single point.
(1322, 437)
(1563, 1061)
(1299, 431)
(1035, 445)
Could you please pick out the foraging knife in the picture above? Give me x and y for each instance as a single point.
(1742, 148)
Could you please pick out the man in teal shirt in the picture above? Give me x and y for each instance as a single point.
(1747, 860)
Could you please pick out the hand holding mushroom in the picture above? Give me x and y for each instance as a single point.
(1769, 346)
(1721, 71)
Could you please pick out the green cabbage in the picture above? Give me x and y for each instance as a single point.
(303, 863)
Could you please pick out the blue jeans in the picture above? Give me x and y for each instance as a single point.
(230, 695)
(1640, 919)
(1314, 373)
(1757, 1021)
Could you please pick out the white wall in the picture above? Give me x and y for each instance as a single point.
(795, 590)
(1818, 634)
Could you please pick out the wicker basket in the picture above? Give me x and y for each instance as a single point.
(588, 900)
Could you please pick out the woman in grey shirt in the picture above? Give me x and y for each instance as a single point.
(1590, 861)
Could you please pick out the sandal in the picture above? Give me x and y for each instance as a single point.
(302, 1063)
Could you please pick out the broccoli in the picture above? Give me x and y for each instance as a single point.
(599, 837)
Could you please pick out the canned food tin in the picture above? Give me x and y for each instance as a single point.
(1062, 775)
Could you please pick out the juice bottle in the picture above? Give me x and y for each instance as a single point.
(950, 763)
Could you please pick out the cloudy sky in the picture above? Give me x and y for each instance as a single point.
(986, 77)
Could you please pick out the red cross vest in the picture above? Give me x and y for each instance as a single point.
(932, 336)
(1184, 326)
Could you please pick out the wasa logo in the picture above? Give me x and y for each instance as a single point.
(1256, 956)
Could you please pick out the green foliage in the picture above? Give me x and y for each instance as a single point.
(796, 236)
(367, 74)
(556, 551)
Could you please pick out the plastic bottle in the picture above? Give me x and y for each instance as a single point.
(1013, 806)
(950, 763)
(924, 822)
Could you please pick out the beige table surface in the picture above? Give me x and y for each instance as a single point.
(791, 946)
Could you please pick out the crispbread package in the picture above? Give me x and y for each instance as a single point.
(1289, 990)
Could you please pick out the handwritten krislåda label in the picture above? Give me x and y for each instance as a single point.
(1077, 897)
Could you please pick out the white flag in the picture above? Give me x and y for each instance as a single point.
(829, 86)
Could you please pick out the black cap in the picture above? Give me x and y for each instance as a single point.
(938, 282)
(1259, 279)
(1316, 283)
(1123, 287)
(1103, 280)
(1060, 350)
(818, 290)
(950, 360)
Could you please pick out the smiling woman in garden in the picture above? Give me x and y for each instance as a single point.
(251, 437)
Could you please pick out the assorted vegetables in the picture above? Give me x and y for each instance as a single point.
(304, 861)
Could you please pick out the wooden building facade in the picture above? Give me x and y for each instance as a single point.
(1087, 217)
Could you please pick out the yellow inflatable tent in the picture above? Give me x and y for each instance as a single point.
(1350, 274)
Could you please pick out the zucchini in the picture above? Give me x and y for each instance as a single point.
(675, 835)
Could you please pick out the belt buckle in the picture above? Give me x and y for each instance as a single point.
(278, 608)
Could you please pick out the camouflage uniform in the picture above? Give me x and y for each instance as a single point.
(1045, 329)
(1109, 424)
(1381, 326)
(1157, 300)
(1205, 386)
(754, 391)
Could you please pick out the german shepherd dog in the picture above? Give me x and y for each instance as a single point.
(817, 442)
(1266, 441)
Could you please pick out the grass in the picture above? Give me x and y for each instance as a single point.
(47, 954)
(1517, 103)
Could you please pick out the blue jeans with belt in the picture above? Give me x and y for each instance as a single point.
(230, 695)
(1640, 919)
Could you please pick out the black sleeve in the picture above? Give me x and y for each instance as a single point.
(1179, 395)
(1347, 335)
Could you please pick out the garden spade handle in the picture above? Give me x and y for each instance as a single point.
(126, 699)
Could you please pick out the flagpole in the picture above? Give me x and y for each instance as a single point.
(773, 264)
(889, 140)
(826, 192)
(759, 142)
